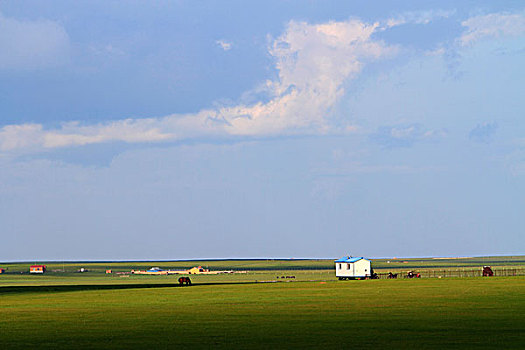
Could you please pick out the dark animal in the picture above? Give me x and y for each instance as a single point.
(373, 275)
(184, 280)
(487, 271)
(392, 275)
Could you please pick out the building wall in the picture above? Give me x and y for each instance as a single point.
(360, 268)
(344, 269)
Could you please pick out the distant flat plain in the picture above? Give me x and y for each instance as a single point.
(65, 309)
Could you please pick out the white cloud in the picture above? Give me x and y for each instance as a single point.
(225, 45)
(31, 44)
(418, 17)
(405, 135)
(492, 26)
(20, 136)
(33, 136)
(313, 63)
(107, 50)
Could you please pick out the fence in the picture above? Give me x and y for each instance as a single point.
(444, 273)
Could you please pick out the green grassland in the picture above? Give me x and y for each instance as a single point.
(426, 313)
(14, 280)
(259, 309)
(272, 264)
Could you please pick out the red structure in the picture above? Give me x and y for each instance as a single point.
(37, 269)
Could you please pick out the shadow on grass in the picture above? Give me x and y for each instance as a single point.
(87, 287)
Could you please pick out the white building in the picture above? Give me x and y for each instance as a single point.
(353, 268)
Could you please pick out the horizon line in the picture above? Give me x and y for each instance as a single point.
(249, 259)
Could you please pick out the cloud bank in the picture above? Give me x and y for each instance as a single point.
(314, 63)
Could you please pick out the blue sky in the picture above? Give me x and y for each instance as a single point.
(180, 130)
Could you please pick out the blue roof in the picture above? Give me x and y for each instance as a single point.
(349, 259)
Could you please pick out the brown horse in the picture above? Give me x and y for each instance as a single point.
(184, 280)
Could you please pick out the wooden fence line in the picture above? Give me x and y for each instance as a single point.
(443, 273)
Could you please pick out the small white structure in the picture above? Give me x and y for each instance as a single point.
(353, 268)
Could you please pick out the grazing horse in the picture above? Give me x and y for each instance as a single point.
(184, 280)
(392, 275)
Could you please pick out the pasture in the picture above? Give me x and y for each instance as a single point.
(94, 310)
(273, 264)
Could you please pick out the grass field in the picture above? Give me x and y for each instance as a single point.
(273, 264)
(426, 313)
(93, 311)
